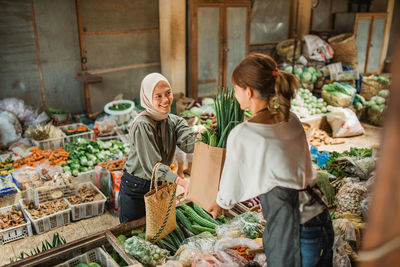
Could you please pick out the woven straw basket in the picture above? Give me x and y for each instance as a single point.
(345, 51)
(160, 205)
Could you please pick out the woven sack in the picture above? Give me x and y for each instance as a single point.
(337, 101)
(344, 46)
(160, 205)
(285, 50)
(371, 87)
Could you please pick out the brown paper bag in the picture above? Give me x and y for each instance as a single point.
(208, 163)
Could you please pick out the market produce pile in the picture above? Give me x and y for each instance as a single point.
(6, 166)
(11, 218)
(345, 182)
(43, 132)
(77, 130)
(305, 104)
(85, 154)
(46, 208)
(38, 156)
(197, 234)
(85, 194)
(309, 74)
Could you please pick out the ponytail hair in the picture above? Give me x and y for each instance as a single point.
(260, 72)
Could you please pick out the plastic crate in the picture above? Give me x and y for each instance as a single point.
(52, 143)
(16, 232)
(88, 209)
(11, 189)
(48, 193)
(97, 255)
(72, 138)
(49, 222)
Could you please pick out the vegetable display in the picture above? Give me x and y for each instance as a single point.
(85, 194)
(41, 132)
(341, 90)
(121, 106)
(319, 137)
(38, 156)
(52, 178)
(11, 218)
(144, 251)
(6, 166)
(228, 115)
(113, 165)
(376, 106)
(305, 104)
(77, 130)
(85, 154)
(45, 209)
(305, 75)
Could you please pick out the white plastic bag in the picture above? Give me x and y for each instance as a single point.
(344, 122)
(317, 49)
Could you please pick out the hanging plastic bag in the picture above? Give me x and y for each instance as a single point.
(25, 113)
(344, 122)
(317, 49)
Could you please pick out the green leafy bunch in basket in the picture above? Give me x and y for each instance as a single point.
(228, 113)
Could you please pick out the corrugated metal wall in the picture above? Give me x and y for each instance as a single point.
(121, 41)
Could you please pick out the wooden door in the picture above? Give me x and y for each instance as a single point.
(369, 29)
(218, 41)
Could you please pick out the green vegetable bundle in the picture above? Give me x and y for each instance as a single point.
(84, 154)
(228, 114)
(339, 89)
(119, 107)
(144, 251)
(253, 224)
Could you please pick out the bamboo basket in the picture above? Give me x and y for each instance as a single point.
(345, 51)
(285, 50)
(371, 87)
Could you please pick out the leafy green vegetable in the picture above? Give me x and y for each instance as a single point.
(121, 106)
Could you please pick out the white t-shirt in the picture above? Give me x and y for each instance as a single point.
(260, 157)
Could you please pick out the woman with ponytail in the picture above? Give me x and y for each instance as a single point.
(269, 156)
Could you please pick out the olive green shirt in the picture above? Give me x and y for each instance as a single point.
(155, 141)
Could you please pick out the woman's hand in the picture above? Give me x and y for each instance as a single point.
(216, 211)
(184, 183)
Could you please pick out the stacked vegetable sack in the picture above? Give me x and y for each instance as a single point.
(191, 221)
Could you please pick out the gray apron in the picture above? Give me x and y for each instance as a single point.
(281, 238)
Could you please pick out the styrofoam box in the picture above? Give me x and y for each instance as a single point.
(16, 232)
(48, 222)
(97, 255)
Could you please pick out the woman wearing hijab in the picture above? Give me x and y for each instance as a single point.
(153, 138)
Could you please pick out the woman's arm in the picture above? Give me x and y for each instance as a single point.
(231, 185)
(149, 154)
(185, 136)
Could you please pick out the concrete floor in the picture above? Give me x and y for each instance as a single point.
(79, 229)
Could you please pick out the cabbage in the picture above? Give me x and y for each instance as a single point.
(311, 70)
(196, 111)
(383, 93)
(288, 69)
(313, 78)
(298, 71)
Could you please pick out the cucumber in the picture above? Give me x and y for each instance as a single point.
(94, 264)
(168, 246)
(180, 233)
(175, 239)
(170, 241)
(185, 221)
(204, 214)
(204, 229)
(197, 218)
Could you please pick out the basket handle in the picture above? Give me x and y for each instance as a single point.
(153, 177)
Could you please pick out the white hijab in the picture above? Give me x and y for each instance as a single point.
(146, 95)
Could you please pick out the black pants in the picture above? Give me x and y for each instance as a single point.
(131, 197)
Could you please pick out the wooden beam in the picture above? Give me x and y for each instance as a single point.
(120, 32)
(128, 67)
(88, 78)
(35, 33)
(386, 37)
